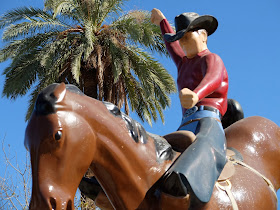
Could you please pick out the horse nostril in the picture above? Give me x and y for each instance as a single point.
(69, 205)
(53, 203)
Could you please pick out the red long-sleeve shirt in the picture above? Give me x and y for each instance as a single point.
(205, 74)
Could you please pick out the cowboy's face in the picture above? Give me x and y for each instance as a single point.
(193, 38)
(193, 42)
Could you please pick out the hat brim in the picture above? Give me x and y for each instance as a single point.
(207, 22)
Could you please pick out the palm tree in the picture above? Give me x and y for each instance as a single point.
(88, 43)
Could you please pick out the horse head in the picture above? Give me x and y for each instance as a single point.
(69, 132)
(53, 151)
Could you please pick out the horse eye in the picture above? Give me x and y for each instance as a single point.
(58, 135)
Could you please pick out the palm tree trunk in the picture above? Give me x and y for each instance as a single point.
(89, 86)
(89, 81)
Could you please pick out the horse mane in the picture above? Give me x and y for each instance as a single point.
(74, 89)
(138, 133)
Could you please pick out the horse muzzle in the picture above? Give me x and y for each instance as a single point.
(51, 201)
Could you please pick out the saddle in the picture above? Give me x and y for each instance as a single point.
(180, 140)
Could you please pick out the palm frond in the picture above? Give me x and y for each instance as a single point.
(20, 76)
(120, 61)
(90, 38)
(48, 4)
(72, 9)
(139, 30)
(76, 63)
(106, 7)
(10, 50)
(16, 48)
(156, 82)
(63, 7)
(149, 71)
(100, 71)
(52, 52)
(23, 13)
(144, 84)
(28, 29)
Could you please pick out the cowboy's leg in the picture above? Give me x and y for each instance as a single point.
(201, 164)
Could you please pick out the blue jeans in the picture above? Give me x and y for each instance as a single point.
(194, 114)
(200, 165)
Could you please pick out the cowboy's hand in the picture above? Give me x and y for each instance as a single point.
(188, 98)
(157, 16)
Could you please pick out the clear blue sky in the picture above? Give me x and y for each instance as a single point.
(247, 40)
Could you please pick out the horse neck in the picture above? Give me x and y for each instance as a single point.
(124, 168)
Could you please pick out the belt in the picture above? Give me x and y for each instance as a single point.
(200, 108)
(209, 108)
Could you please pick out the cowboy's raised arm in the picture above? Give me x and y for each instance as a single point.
(157, 16)
(173, 48)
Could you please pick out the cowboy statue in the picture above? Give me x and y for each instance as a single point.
(203, 85)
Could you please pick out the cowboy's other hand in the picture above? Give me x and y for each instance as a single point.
(188, 98)
(157, 16)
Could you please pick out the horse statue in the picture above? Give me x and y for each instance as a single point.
(70, 132)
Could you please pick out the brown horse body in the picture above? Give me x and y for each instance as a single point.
(69, 132)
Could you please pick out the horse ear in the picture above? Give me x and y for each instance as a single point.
(60, 91)
(47, 99)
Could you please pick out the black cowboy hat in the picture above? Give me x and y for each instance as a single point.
(191, 21)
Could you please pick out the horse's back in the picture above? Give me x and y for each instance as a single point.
(258, 141)
(252, 130)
